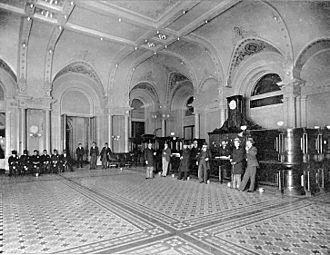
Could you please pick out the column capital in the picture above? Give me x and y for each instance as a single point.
(292, 88)
(119, 110)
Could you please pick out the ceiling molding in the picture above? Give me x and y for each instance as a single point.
(201, 21)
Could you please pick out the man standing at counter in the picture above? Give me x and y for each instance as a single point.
(252, 164)
(225, 165)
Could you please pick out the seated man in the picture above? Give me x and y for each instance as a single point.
(65, 162)
(55, 162)
(45, 162)
(24, 162)
(35, 162)
(13, 163)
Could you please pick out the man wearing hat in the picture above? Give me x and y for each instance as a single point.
(149, 160)
(252, 164)
(166, 154)
(185, 161)
(236, 159)
(203, 161)
(13, 163)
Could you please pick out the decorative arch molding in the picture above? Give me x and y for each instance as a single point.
(6, 67)
(191, 74)
(256, 67)
(244, 50)
(147, 88)
(180, 95)
(85, 91)
(80, 67)
(8, 80)
(174, 79)
(82, 83)
(310, 50)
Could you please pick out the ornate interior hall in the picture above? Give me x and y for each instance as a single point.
(129, 72)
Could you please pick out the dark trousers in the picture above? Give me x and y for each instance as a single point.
(93, 162)
(250, 174)
(183, 175)
(80, 161)
(104, 162)
(202, 171)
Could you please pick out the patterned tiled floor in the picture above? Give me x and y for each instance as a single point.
(120, 212)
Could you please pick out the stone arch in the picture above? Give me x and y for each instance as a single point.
(173, 84)
(77, 82)
(244, 50)
(248, 75)
(254, 68)
(8, 80)
(144, 91)
(181, 94)
(310, 50)
(82, 68)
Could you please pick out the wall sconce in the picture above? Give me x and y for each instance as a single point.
(34, 131)
(115, 137)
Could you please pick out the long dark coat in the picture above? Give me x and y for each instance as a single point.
(185, 161)
(237, 157)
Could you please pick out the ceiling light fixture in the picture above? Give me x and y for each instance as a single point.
(119, 20)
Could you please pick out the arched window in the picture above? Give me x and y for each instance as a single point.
(189, 107)
(266, 91)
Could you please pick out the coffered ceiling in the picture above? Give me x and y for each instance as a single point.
(137, 25)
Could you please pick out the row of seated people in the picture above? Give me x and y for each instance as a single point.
(38, 164)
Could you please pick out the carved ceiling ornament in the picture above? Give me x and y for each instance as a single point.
(246, 49)
(81, 68)
(173, 81)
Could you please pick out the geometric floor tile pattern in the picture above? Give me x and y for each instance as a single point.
(119, 212)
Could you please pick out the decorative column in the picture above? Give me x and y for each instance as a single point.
(126, 136)
(23, 130)
(303, 108)
(47, 130)
(8, 133)
(110, 140)
(163, 127)
(197, 125)
(290, 92)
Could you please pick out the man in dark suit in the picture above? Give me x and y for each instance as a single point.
(149, 155)
(94, 153)
(203, 160)
(80, 155)
(252, 164)
(105, 155)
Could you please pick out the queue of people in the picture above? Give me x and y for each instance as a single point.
(238, 160)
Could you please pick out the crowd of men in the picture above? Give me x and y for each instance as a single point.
(238, 160)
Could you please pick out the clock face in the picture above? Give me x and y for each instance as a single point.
(232, 105)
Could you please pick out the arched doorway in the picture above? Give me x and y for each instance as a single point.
(78, 122)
